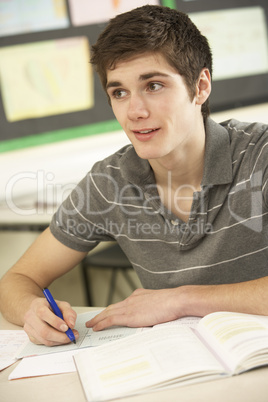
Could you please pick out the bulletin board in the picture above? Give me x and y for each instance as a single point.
(237, 31)
(49, 91)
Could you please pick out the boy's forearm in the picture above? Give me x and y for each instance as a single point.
(16, 294)
(247, 297)
(46, 260)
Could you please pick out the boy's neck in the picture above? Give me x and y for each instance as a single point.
(181, 168)
(178, 177)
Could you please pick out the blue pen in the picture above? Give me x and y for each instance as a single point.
(58, 313)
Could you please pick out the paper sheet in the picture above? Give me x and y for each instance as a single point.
(84, 12)
(18, 16)
(10, 343)
(87, 338)
(46, 78)
(243, 48)
(55, 363)
(190, 321)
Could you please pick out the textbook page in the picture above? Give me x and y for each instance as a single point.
(240, 339)
(146, 361)
(87, 338)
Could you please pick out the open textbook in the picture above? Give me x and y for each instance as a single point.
(222, 344)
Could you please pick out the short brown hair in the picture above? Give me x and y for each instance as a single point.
(154, 29)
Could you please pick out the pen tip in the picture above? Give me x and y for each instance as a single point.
(74, 342)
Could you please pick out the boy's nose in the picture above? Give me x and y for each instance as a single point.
(137, 108)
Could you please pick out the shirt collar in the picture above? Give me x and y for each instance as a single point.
(218, 160)
(136, 170)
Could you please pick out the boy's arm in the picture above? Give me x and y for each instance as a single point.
(21, 298)
(149, 307)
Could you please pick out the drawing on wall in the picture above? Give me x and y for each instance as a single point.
(46, 78)
(84, 12)
(243, 49)
(18, 16)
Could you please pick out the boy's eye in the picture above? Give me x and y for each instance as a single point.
(119, 93)
(154, 86)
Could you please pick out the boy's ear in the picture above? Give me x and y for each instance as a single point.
(203, 87)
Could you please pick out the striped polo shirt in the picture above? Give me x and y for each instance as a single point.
(225, 238)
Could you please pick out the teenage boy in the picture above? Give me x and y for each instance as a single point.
(187, 201)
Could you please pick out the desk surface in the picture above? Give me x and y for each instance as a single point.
(248, 387)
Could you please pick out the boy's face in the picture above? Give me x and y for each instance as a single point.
(151, 102)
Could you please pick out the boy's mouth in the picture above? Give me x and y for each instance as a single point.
(146, 134)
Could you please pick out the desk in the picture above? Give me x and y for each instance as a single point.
(247, 387)
(16, 220)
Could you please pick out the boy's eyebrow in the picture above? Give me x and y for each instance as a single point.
(147, 76)
(143, 77)
(113, 84)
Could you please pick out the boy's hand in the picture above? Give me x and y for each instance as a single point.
(44, 327)
(143, 308)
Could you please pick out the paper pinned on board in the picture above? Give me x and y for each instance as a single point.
(46, 78)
